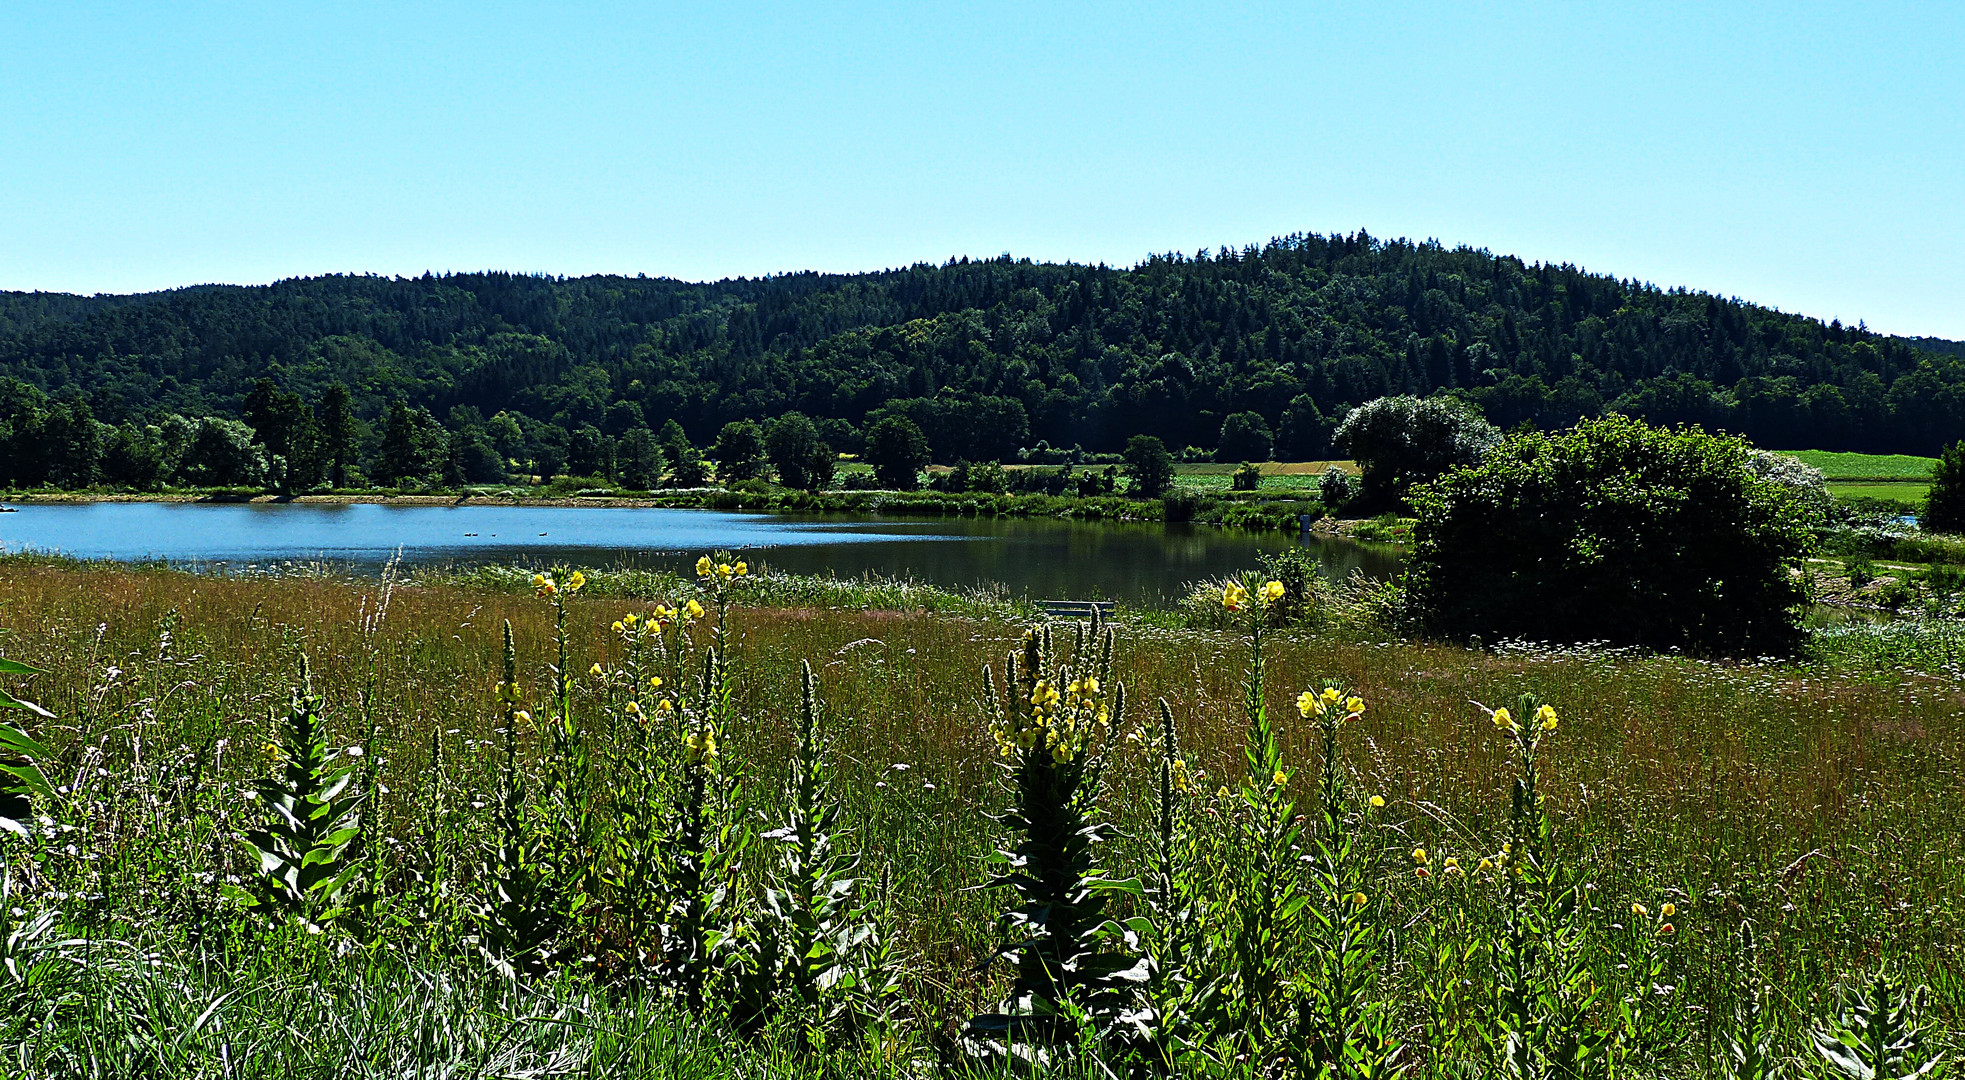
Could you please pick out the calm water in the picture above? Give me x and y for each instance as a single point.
(1040, 558)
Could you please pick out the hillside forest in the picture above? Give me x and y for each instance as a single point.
(1245, 354)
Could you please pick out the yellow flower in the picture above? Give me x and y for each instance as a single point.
(694, 610)
(574, 583)
(629, 618)
(743, 568)
(1639, 909)
(1354, 706)
(1357, 899)
(633, 708)
(1272, 592)
(1419, 855)
(1450, 866)
(654, 681)
(538, 581)
(1547, 717)
(1376, 801)
(619, 626)
(1667, 930)
(1308, 705)
(1233, 596)
(1503, 720)
(1423, 872)
(1332, 695)
(1280, 778)
(1667, 910)
(522, 716)
(595, 670)
(1486, 864)
(704, 566)
(665, 706)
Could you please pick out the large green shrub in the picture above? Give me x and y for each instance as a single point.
(1944, 504)
(1402, 441)
(1612, 531)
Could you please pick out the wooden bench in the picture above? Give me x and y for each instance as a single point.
(1073, 609)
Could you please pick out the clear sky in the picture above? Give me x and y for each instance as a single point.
(1811, 157)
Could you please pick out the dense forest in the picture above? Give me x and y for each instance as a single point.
(988, 358)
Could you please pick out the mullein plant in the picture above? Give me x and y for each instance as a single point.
(1546, 994)
(1343, 1030)
(1261, 897)
(1173, 929)
(522, 919)
(313, 818)
(567, 791)
(1052, 722)
(702, 845)
(812, 951)
(646, 760)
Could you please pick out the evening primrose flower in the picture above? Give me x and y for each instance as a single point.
(1272, 592)
(1419, 856)
(1280, 778)
(620, 626)
(1376, 802)
(630, 618)
(1308, 705)
(1233, 596)
(1667, 910)
(694, 610)
(522, 716)
(1667, 930)
(1504, 720)
(1547, 717)
(1357, 899)
(1639, 909)
(654, 681)
(1450, 866)
(595, 671)
(1354, 705)
(704, 566)
(1332, 695)
(576, 582)
(665, 706)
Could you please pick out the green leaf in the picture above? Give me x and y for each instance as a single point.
(15, 667)
(9, 701)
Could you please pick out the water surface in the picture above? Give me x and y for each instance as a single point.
(1138, 563)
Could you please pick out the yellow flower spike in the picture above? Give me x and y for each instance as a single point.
(595, 671)
(1667, 910)
(1272, 592)
(576, 582)
(1419, 855)
(1639, 909)
(1233, 596)
(1546, 716)
(704, 566)
(1308, 706)
(1504, 720)
(1376, 802)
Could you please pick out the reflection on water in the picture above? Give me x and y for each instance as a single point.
(1138, 563)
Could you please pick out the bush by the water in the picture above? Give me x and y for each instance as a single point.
(1944, 504)
(1613, 531)
(1402, 441)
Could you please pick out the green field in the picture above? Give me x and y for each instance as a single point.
(1908, 492)
(1848, 466)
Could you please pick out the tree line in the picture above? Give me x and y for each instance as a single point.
(1244, 354)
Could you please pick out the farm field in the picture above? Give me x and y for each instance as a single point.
(1909, 492)
(1851, 466)
(1745, 835)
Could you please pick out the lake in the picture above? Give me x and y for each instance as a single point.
(1148, 564)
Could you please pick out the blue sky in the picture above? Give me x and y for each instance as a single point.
(1807, 157)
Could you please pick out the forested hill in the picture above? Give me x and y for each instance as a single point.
(992, 355)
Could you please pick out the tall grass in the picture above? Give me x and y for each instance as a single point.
(1800, 818)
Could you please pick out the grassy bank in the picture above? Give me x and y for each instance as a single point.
(1799, 816)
